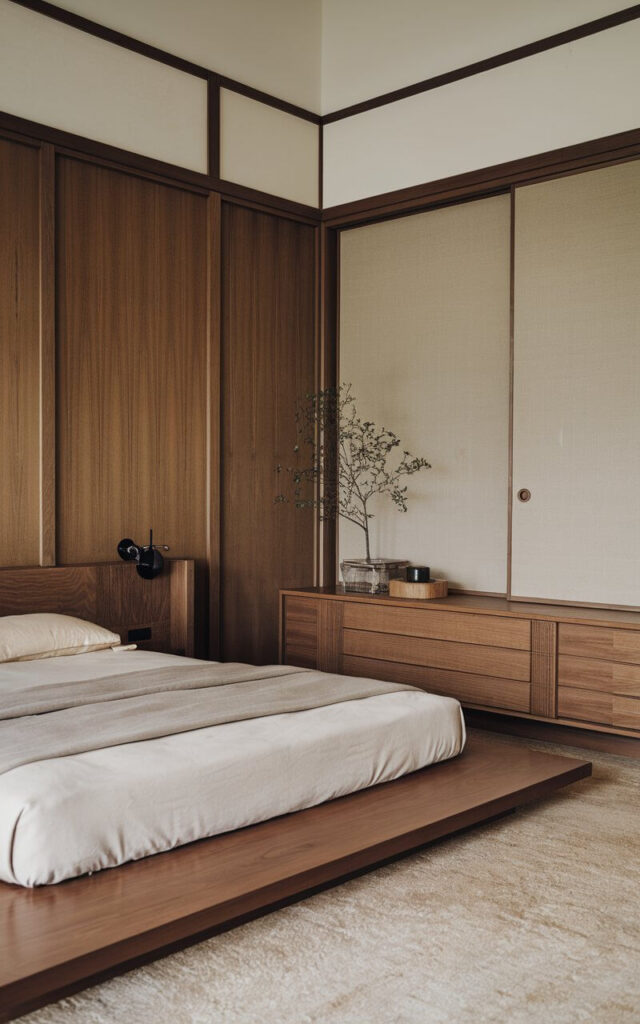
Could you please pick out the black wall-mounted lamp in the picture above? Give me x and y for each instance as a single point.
(149, 561)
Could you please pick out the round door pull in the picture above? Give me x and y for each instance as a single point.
(524, 494)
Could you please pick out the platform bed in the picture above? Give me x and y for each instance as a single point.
(56, 939)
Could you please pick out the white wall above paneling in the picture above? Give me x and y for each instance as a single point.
(67, 79)
(326, 54)
(267, 149)
(577, 388)
(274, 45)
(370, 47)
(60, 76)
(576, 92)
(424, 339)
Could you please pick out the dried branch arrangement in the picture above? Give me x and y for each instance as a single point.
(343, 461)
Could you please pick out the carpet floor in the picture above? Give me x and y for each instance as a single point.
(533, 918)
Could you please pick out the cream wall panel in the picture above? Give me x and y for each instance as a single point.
(424, 339)
(265, 148)
(577, 388)
(274, 45)
(371, 47)
(580, 91)
(59, 76)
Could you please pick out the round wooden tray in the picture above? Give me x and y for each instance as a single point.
(421, 591)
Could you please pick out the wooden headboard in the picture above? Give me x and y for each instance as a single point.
(113, 595)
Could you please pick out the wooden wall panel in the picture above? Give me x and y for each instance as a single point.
(268, 354)
(19, 354)
(132, 360)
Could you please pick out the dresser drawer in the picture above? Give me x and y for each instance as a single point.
(301, 657)
(488, 691)
(597, 674)
(598, 707)
(301, 620)
(599, 642)
(500, 662)
(461, 627)
(300, 632)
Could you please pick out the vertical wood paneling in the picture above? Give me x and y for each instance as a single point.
(132, 362)
(19, 354)
(268, 357)
(330, 635)
(182, 607)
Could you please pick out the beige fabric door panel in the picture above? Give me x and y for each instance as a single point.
(577, 388)
(424, 339)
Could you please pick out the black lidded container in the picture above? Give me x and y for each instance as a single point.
(418, 574)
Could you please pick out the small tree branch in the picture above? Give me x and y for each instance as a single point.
(343, 475)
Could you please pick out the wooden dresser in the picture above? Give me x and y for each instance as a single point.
(567, 665)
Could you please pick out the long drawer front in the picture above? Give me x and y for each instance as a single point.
(489, 691)
(479, 674)
(458, 627)
(412, 650)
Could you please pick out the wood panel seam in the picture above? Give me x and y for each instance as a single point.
(214, 418)
(47, 403)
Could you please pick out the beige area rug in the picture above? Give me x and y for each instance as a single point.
(535, 917)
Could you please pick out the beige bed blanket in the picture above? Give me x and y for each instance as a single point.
(57, 720)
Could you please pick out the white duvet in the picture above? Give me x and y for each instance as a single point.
(67, 816)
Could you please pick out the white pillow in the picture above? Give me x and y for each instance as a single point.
(47, 635)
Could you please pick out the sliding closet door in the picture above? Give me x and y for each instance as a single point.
(19, 354)
(268, 358)
(577, 388)
(424, 340)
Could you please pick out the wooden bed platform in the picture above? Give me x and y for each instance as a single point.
(58, 939)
